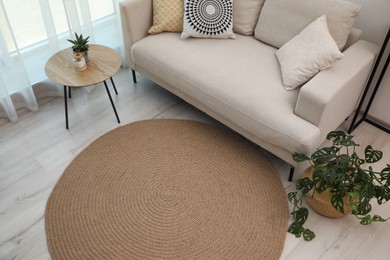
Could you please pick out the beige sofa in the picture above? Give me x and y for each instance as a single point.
(238, 82)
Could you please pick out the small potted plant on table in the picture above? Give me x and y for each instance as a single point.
(336, 184)
(80, 45)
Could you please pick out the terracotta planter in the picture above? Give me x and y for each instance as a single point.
(320, 203)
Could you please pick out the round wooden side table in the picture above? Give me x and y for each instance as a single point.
(103, 63)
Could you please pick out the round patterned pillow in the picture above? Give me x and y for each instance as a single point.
(208, 19)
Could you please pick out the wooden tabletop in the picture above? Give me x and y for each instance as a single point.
(103, 63)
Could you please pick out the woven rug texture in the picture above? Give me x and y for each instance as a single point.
(167, 189)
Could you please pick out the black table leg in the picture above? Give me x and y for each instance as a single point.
(112, 103)
(291, 175)
(112, 82)
(134, 76)
(66, 107)
(70, 92)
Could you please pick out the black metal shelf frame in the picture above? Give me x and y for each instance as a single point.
(355, 124)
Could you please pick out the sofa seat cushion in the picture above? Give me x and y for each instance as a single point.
(238, 79)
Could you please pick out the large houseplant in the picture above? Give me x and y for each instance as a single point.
(338, 171)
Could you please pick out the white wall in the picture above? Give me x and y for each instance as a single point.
(374, 20)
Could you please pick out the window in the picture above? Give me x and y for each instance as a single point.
(41, 27)
(100, 8)
(28, 21)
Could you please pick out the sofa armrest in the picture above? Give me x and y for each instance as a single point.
(136, 19)
(332, 95)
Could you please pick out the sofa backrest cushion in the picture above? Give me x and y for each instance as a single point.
(245, 15)
(353, 37)
(281, 20)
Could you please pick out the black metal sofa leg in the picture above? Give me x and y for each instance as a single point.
(291, 175)
(134, 76)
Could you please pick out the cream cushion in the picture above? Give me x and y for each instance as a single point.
(280, 20)
(306, 54)
(245, 15)
(167, 16)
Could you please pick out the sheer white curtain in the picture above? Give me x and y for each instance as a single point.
(32, 31)
(12, 74)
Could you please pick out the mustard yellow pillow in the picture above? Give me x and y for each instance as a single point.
(167, 16)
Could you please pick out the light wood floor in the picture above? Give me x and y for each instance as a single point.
(35, 151)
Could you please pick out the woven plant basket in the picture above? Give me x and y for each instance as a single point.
(320, 202)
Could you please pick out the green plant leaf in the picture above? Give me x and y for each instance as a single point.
(320, 186)
(299, 157)
(377, 218)
(342, 161)
(301, 215)
(385, 175)
(356, 159)
(292, 197)
(372, 156)
(382, 194)
(340, 138)
(355, 206)
(308, 235)
(336, 135)
(364, 207)
(336, 199)
(79, 43)
(354, 194)
(296, 229)
(305, 185)
(344, 141)
(328, 175)
(367, 220)
(347, 142)
(324, 155)
(362, 177)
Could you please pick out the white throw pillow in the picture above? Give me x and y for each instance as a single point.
(208, 19)
(309, 52)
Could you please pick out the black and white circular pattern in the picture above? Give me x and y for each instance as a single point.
(209, 17)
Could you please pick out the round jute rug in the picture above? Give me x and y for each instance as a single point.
(167, 189)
